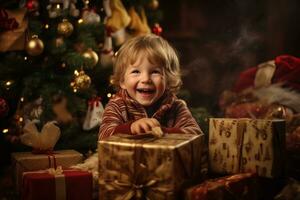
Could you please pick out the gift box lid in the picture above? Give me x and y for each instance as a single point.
(170, 141)
(32, 161)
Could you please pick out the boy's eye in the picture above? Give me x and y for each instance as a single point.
(156, 71)
(135, 71)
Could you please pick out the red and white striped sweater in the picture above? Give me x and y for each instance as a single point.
(122, 110)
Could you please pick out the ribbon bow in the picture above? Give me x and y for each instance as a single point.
(44, 140)
(55, 171)
(135, 190)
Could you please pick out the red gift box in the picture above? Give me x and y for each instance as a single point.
(54, 184)
(239, 186)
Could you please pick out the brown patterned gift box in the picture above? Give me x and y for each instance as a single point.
(147, 167)
(247, 145)
(27, 161)
(238, 186)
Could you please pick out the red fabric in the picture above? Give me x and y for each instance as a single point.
(123, 128)
(37, 186)
(287, 72)
(171, 130)
(245, 79)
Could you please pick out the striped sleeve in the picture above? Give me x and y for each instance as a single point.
(184, 119)
(113, 116)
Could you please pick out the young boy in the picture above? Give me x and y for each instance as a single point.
(147, 77)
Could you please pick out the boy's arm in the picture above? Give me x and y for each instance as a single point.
(113, 121)
(184, 119)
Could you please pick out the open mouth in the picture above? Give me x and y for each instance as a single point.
(145, 91)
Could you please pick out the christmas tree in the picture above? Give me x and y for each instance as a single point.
(56, 59)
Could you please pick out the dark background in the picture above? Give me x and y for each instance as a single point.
(216, 40)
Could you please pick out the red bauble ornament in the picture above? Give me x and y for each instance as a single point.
(3, 108)
(32, 5)
(157, 29)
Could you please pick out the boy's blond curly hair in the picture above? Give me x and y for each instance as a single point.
(157, 50)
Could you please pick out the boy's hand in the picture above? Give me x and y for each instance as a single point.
(144, 125)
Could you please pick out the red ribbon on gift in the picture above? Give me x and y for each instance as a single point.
(7, 23)
(50, 154)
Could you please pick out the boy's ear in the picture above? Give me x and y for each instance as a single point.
(122, 85)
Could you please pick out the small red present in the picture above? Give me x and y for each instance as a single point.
(239, 186)
(57, 184)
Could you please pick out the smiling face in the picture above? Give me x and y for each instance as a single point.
(145, 82)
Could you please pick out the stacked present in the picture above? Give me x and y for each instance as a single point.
(27, 161)
(44, 173)
(148, 168)
(247, 145)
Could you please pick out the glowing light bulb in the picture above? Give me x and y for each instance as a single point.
(5, 130)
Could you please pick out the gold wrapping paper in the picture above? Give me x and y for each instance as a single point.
(263, 147)
(147, 167)
(27, 161)
(225, 137)
(246, 145)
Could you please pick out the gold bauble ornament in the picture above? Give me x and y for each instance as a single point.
(153, 4)
(34, 46)
(82, 81)
(65, 28)
(91, 55)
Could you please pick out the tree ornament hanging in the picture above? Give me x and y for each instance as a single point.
(107, 52)
(157, 29)
(117, 19)
(89, 16)
(91, 56)
(57, 7)
(33, 7)
(65, 28)
(34, 46)
(153, 5)
(94, 114)
(81, 81)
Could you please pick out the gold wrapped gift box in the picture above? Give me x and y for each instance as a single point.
(247, 145)
(148, 167)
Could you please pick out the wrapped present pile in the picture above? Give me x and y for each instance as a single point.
(46, 174)
(270, 90)
(28, 161)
